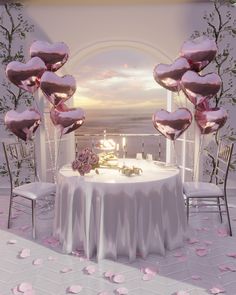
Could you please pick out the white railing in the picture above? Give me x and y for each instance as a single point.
(154, 144)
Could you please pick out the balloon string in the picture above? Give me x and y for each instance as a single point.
(57, 156)
(197, 163)
(47, 138)
(175, 154)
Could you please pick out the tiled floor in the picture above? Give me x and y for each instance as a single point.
(205, 265)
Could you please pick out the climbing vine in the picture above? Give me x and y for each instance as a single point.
(221, 26)
(14, 29)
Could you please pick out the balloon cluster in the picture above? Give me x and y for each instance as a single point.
(183, 75)
(39, 71)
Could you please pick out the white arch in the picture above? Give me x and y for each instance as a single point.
(94, 48)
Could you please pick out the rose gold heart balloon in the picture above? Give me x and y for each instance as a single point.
(172, 125)
(211, 120)
(57, 89)
(54, 55)
(26, 76)
(199, 88)
(68, 119)
(199, 52)
(169, 76)
(24, 124)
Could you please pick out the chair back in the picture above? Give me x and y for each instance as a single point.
(21, 163)
(223, 159)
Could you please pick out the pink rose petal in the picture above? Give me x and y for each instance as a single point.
(118, 279)
(148, 276)
(223, 267)
(233, 254)
(150, 270)
(108, 274)
(90, 269)
(216, 290)
(192, 241)
(75, 289)
(103, 293)
(15, 291)
(122, 291)
(12, 242)
(196, 277)
(23, 287)
(231, 268)
(201, 252)
(182, 293)
(227, 268)
(24, 253)
(38, 261)
(65, 270)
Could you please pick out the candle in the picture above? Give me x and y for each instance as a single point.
(123, 142)
(117, 147)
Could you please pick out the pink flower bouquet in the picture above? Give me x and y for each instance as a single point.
(85, 162)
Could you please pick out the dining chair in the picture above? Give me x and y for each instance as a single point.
(24, 181)
(215, 192)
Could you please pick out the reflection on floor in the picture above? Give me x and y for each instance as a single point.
(206, 265)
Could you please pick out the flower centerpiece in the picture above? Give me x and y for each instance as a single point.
(86, 161)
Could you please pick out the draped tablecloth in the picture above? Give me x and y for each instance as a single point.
(110, 214)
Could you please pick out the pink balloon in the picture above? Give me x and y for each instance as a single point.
(172, 125)
(54, 55)
(169, 76)
(68, 119)
(199, 88)
(210, 120)
(57, 89)
(199, 52)
(26, 76)
(24, 124)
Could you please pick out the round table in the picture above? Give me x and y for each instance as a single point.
(110, 214)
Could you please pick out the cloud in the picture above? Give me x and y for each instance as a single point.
(118, 79)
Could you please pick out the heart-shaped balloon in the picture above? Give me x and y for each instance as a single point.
(169, 76)
(199, 52)
(24, 124)
(210, 120)
(54, 55)
(57, 89)
(68, 119)
(26, 76)
(199, 88)
(172, 125)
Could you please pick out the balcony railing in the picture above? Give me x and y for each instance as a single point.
(134, 143)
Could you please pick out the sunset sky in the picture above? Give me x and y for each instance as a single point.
(118, 78)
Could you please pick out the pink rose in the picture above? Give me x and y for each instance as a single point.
(93, 159)
(87, 168)
(76, 164)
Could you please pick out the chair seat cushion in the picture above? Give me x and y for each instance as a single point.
(201, 190)
(35, 190)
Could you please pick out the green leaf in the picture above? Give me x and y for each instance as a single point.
(232, 138)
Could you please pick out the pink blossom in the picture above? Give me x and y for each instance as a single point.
(93, 159)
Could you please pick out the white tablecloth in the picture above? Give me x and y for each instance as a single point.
(110, 214)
